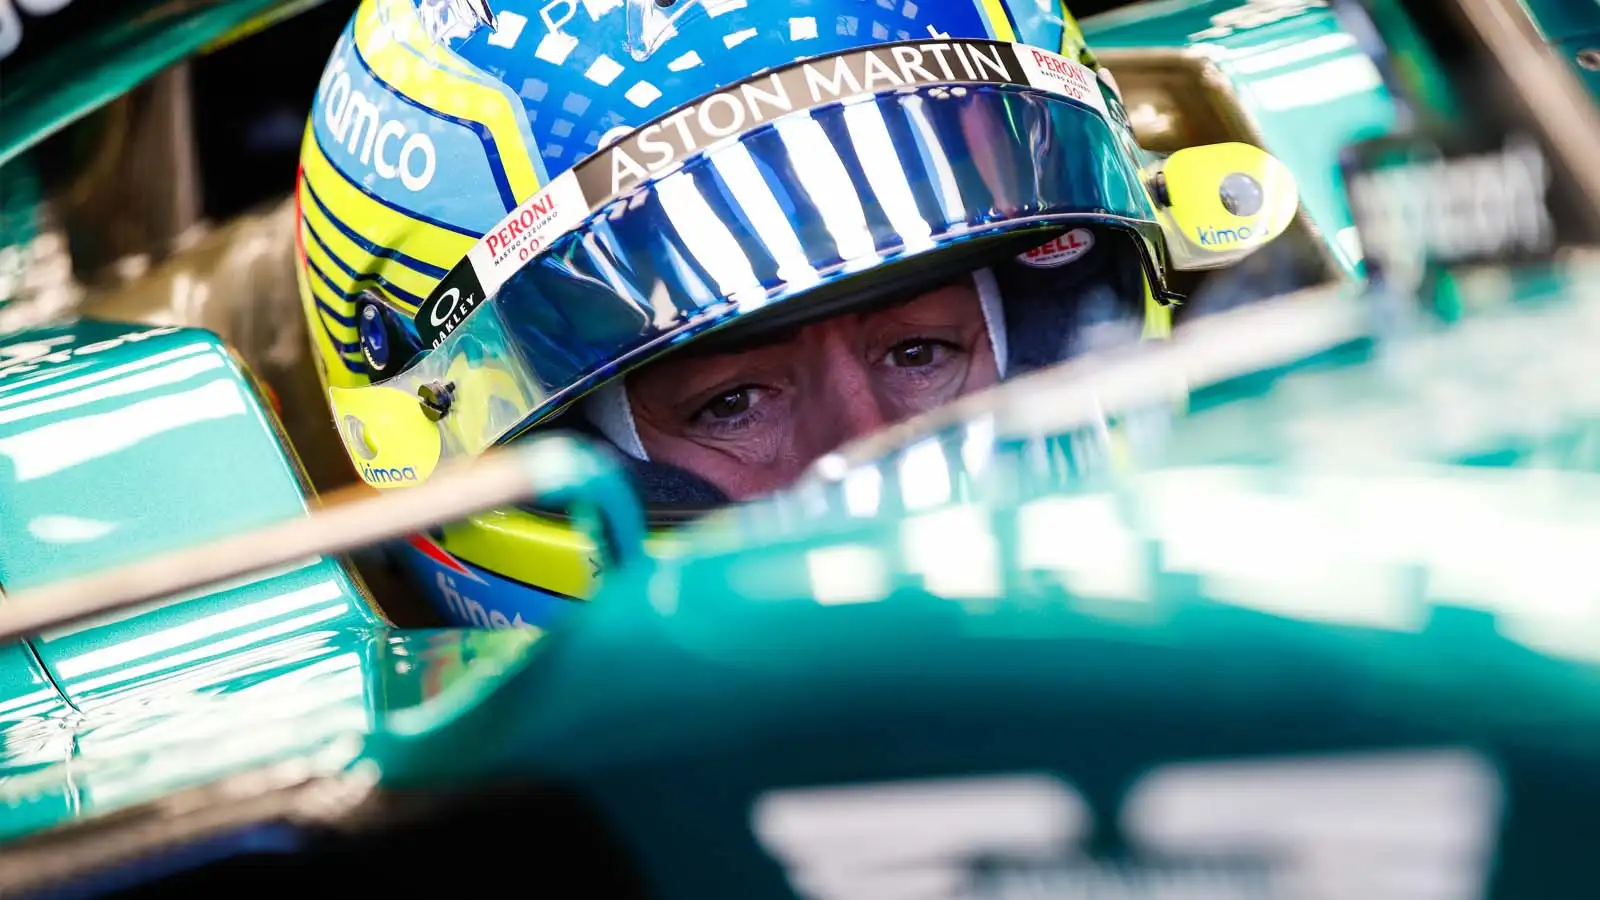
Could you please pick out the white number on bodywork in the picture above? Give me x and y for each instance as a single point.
(1254, 14)
(1417, 825)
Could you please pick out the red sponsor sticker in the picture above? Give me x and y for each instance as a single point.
(1059, 251)
(1059, 75)
(528, 231)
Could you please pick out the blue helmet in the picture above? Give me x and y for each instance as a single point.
(508, 206)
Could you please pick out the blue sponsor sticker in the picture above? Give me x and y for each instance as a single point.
(410, 156)
(471, 597)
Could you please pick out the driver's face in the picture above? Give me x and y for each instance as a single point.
(750, 422)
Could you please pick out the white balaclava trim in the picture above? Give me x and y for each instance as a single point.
(608, 409)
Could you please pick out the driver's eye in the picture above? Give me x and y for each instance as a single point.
(912, 354)
(729, 405)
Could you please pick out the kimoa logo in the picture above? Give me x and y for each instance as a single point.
(387, 475)
(1222, 237)
(384, 145)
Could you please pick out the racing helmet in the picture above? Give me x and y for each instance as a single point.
(507, 208)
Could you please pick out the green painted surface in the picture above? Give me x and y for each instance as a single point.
(1299, 77)
(1326, 557)
(122, 441)
(1562, 20)
(90, 409)
(54, 92)
(1330, 553)
(118, 442)
(312, 696)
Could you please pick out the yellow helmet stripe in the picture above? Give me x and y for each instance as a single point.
(430, 249)
(999, 20)
(1073, 43)
(319, 233)
(339, 329)
(336, 308)
(348, 373)
(329, 298)
(1157, 316)
(545, 552)
(390, 40)
(528, 548)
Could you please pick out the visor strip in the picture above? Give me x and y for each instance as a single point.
(657, 148)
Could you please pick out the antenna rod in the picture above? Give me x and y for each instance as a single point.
(347, 519)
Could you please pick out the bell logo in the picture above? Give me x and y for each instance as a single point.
(1059, 251)
(384, 145)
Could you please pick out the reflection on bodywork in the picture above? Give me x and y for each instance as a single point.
(144, 739)
(49, 449)
(313, 697)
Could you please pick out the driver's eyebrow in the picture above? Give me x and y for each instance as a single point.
(759, 341)
(764, 339)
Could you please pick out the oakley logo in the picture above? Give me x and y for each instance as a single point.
(446, 307)
(453, 301)
(449, 311)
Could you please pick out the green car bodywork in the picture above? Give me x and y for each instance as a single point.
(1301, 83)
(1321, 576)
(1299, 79)
(1572, 28)
(121, 441)
(1304, 88)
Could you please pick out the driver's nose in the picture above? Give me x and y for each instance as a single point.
(843, 405)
